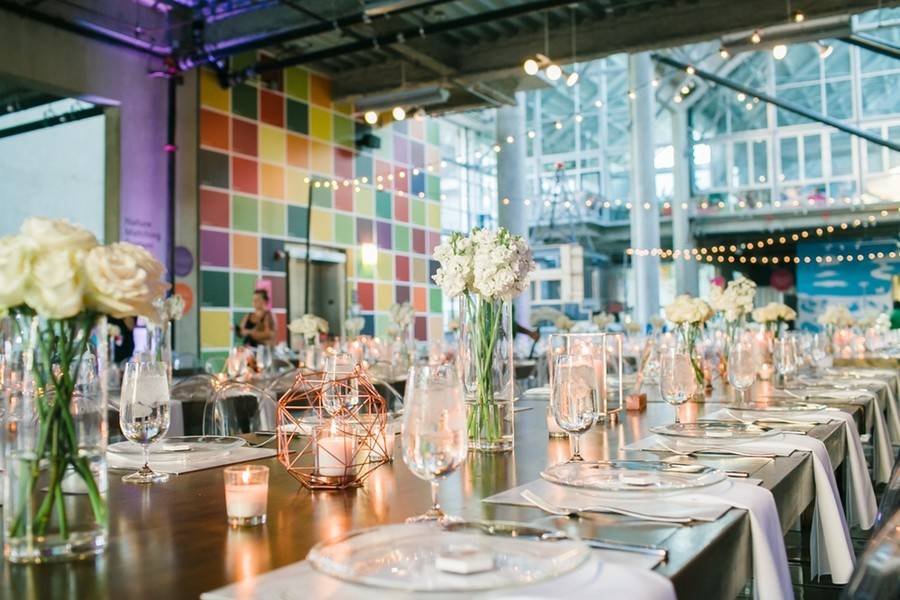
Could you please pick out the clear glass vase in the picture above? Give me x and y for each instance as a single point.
(486, 352)
(161, 344)
(54, 384)
(688, 336)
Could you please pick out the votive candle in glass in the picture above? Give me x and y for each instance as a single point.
(246, 494)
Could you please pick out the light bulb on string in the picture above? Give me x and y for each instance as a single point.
(598, 103)
(531, 134)
(578, 118)
(399, 113)
(779, 51)
(553, 72)
(531, 66)
(755, 37)
(371, 117)
(572, 79)
(690, 70)
(724, 53)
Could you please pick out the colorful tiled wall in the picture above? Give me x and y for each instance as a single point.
(273, 149)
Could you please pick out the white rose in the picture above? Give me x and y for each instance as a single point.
(123, 280)
(15, 267)
(56, 286)
(56, 234)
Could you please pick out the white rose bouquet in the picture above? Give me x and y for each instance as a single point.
(353, 326)
(56, 284)
(486, 269)
(632, 328)
(689, 314)
(309, 326)
(836, 315)
(734, 300)
(402, 315)
(773, 315)
(564, 323)
(603, 320)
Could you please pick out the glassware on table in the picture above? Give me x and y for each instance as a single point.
(434, 434)
(264, 358)
(246, 494)
(742, 366)
(340, 397)
(784, 357)
(677, 383)
(144, 412)
(821, 347)
(574, 397)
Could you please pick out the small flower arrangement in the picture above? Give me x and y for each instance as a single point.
(657, 322)
(686, 309)
(564, 323)
(836, 315)
(603, 320)
(490, 264)
(632, 328)
(309, 326)
(354, 325)
(774, 312)
(734, 300)
(543, 314)
(402, 314)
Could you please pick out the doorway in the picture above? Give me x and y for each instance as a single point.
(327, 293)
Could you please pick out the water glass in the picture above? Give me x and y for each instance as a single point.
(342, 389)
(677, 383)
(742, 366)
(434, 434)
(784, 357)
(574, 399)
(144, 412)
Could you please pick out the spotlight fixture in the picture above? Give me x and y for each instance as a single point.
(399, 113)
(632, 94)
(531, 134)
(755, 37)
(553, 71)
(825, 50)
(798, 17)
(724, 53)
(685, 90)
(690, 70)
(531, 66)
(572, 79)
(371, 117)
(677, 99)
(779, 51)
(558, 125)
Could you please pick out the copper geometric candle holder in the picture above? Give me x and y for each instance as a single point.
(332, 429)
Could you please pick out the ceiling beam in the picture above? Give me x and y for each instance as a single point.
(654, 28)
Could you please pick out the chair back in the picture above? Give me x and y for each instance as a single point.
(237, 407)
(890, 500)
(877, 574)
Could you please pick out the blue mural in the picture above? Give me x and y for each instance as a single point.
(863, 286)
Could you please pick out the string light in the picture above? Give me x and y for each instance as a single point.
(531, 66)
(755, 37)
(399, 113)
(371, 117)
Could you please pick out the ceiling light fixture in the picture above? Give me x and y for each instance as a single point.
(553, 71)
(724, 53)
(798, 17)
(371, 117)
(779, 51)
(755, 37)
(531, 66)
(399, 113)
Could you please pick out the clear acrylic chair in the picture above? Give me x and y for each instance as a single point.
(237, 407)
(877, 573)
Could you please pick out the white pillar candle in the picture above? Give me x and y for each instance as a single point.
(246, 494)
(334, 455)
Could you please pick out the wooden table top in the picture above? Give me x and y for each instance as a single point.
(172, 541)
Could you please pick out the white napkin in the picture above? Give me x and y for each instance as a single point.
(538, 393)
(185, 462)
(658, 443)
(893, 418)
(770, 569)
(861, 505)
(597, 578)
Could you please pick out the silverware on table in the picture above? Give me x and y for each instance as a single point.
(561, 511)
(660, 553)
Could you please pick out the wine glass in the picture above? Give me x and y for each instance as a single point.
(820, 349)
(677, 383)
(144, 412)
(342, 391)
(784, 358)
(742, 367)
(434, 428)
(574, 397)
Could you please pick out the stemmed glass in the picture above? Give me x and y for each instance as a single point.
(574, 398)
(742, 366)
(820, 347)
(434, 428)
(784, 357)
(677, 383)
(144, 412)
(339, 396)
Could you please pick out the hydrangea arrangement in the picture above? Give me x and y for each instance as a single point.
(689, 314)
(309, 326)
(402, 315)
(564, 323)
(487, 269)
(603, 320)
(734, 300)
(773, 315)
(836, 315)
(353, 326)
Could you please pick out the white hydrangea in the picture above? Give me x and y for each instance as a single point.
(837, 315)
(402, 314)
(687, 309)
(773, 312)
(603, 320)
(308, 325)
(735, 300)
(564, 323)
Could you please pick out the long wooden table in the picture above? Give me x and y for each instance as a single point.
(171, 540)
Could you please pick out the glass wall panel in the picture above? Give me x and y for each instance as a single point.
(841, 154)
(812, 156)
(760, 162)
(740, 173)
(790, 164)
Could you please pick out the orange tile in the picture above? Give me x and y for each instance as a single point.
(321, 158)
(245, 252)
(272, 180)
(320, 90)
(420, 302)
(297, 151)
(213, 129)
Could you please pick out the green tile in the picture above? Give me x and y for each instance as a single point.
(244, 213)
(343, 229)
(217, 357)
(401, 238)
(297, 221)
(383, 205)
(243, 60)
(296, 83)
(433, 132)
(298, 116)
(272, 218)
(343, 131)
(382, 322)
(433, 187)
(321, 196)
(364, 271)
(418, 211)
(363, 166)
(243, 285)
(214, 289)
(243, 100)
(236, 318)
(364, 202)
(435, 300)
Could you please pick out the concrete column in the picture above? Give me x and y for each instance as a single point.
(644, 207)
(682, 239)
(511, 186)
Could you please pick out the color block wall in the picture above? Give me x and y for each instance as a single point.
(273, 149)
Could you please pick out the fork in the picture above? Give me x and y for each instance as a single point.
(711, 450)
(561, 511)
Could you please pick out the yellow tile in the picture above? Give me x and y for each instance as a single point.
(384, 296)
(211, 93)
(321, 158)
(296, 190)
(215, 329)
(434, 215)
(320, 123)
(364, 201)
(322, 225)
(271, 144)
(319, 90)
(351, 263)
(385, 267)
